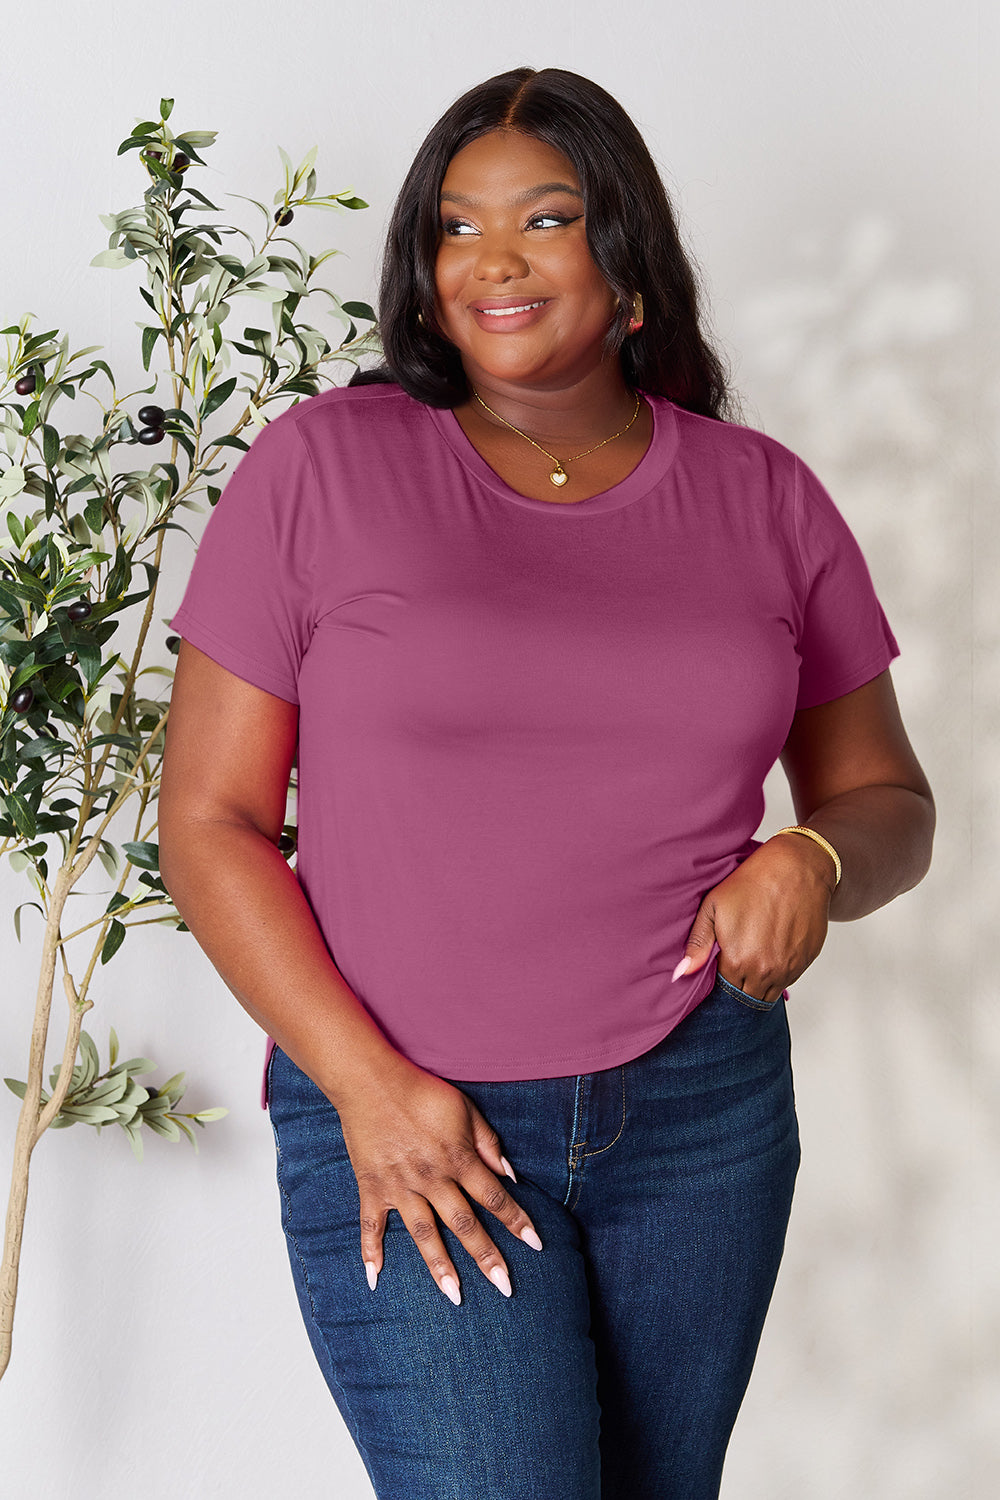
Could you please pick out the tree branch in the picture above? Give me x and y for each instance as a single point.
(77, 1010)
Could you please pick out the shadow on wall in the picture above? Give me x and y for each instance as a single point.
(874, 373)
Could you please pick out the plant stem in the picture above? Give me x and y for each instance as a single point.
(125, 791)
(133, 669)
(77, 1010)
(32, 1120)
(28, 1119)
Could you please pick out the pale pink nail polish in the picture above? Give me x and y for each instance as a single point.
(500, 1279)
(371, 1273)
(449, 1286)
(682, 968)
(508, 1168)
(529, 1237)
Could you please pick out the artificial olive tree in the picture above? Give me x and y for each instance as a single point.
(84, 540)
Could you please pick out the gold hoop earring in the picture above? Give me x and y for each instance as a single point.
(636, 320)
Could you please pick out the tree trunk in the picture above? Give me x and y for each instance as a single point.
(27, 1124)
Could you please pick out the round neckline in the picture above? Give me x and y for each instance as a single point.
(648, 471)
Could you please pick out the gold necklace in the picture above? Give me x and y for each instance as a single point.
(559, 475)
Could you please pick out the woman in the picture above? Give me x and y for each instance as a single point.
(537, 621)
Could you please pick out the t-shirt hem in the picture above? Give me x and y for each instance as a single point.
(228, 656)
(872, 668)
(563, 1065)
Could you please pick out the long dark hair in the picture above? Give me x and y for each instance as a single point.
(631, 231)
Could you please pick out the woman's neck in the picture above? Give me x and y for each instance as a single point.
(569, 416)
(599, 433)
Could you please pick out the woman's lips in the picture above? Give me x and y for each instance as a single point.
(508, 316)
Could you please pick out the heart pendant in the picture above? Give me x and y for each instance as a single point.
(559, 477)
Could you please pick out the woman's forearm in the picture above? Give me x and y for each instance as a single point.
(770, 916)
(248, 913)
(883, 835)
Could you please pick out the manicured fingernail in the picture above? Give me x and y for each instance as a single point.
(449, 1286)
(681, 968)
(371, 1273)
(508, 1168)
(529, 1237)
(500, 1279)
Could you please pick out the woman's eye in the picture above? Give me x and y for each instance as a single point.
(546, 221)
(457, 226)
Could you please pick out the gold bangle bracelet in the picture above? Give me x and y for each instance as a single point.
(817, 838)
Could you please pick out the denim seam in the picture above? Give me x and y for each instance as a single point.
(742, 998)
(312, 1305)
(621, 1127)
(573, 1159)
(761, 1005)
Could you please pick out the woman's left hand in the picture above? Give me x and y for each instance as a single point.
(853, 775)
(769, 917)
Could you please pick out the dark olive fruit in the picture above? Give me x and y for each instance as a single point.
(22, 700)
(149, 435)
(286, 843)
(284, 216)
(181, 162)
(173, 643)
(26, 384)
(153, 1093)
(151, 416)
(79, 610)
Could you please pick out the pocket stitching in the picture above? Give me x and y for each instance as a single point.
(750, 1001)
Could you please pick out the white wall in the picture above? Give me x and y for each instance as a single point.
(836, 168)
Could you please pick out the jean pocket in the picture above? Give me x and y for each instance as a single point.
(750, 1001)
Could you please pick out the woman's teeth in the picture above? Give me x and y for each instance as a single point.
(507, 312)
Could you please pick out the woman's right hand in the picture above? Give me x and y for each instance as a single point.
(420, 1146)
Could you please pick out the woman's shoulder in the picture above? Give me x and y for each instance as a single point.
(378, 402)
(745, 460)
(714, 439)
(331, 415)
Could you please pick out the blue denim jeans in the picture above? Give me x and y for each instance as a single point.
(661, 1190)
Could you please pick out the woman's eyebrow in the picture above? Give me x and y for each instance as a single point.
(528, 196)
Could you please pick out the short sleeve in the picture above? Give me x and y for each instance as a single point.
(845, 637)
(248, 600)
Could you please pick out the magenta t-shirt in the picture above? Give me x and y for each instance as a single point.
(532, 735)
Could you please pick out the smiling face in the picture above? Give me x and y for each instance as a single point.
(518, 292)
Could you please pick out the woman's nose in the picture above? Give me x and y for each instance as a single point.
(499, 260)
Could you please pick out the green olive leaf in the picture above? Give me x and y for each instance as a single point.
(145, 855)
(113, 941)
